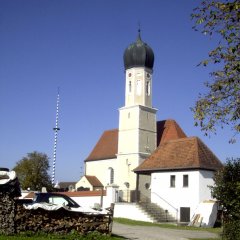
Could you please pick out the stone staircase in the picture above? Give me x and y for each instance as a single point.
(156, 213)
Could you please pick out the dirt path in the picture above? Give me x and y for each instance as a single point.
(157, 233)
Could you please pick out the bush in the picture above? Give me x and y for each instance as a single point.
(231, 230)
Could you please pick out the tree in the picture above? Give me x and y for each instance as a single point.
(220, 106)
(32, 171)
(227, 188)
(227, 191)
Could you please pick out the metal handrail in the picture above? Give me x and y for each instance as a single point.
(167, 203)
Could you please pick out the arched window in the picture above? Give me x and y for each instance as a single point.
(139, 87)
(130, 87)
(111, 175)
(148, 88)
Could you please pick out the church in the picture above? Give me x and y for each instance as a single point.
(147, 159)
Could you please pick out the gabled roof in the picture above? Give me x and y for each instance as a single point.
(168, 130)
(106, 147)
(184, 153)
(30, 195)
(85, 193)
(94, 181)
(66, 184)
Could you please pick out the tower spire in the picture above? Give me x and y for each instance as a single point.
(56, 129)
(139, 31)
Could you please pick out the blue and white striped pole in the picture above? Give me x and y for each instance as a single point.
(56, 129)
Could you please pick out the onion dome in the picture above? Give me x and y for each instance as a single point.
(138, 54)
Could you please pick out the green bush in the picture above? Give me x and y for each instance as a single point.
(232, 230)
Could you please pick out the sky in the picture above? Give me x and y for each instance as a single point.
(77, 46)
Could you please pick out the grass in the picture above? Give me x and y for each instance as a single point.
(97, 236)
(219, 238)
(166, 225)
(171, 226)
(74, 236)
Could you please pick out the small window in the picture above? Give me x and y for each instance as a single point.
(172, 181)
(139, 87)
(58, 201)
(148, 88)
(185, 180)
(111, 175)
(130, 86)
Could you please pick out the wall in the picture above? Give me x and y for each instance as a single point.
(100, 169)
(83, 182)
(205, 179)
(92, 198)
(130, 211)
(89, 201)
(144, 187)
(172, 198)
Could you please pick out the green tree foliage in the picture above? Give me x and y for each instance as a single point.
(32, 171)
(227, 188)
(220, 105)
(227, 191)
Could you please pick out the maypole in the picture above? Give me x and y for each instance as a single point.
(56, 129)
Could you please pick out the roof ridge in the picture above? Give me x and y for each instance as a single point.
(111, 130)
(182, 139)
(200, 141)
(196, 143)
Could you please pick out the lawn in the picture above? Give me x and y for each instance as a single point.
(74, 236)
(172, 226)
(97, 236)
(166, 225)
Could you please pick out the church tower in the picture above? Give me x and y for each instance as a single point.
(137, 119)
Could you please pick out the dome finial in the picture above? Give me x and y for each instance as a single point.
(139, 32)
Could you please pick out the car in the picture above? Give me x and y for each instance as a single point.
(55, 198)
(54, 201)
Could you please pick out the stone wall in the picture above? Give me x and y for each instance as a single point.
(7, 214)
(9, 189)
(14, 218)
(61, 221)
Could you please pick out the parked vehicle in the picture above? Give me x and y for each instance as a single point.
(53, 201)
(55, 198)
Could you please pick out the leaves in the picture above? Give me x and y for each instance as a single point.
(227, 188)
(32, 171)
(220, 105)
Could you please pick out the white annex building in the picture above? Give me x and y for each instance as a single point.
(149, 160)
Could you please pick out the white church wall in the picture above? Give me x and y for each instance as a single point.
(83, 182)
(148, 118)
(90, 201)
(173, 198)
(127, 144)
(205, 179)
(125, 174)
(130, 211)
(144, 187)
(104, 200)
(100, 169)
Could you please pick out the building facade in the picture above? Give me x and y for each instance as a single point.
(151, 160)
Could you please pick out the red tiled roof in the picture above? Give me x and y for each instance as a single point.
(75, 194)
(94, 181)
(30, 195)
(184, 153)
(168, 130)
(84, 193)
(106, 147)
(66, 184)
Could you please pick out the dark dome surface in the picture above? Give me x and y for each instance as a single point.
(138, 54)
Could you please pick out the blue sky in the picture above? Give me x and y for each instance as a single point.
(78, 46)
